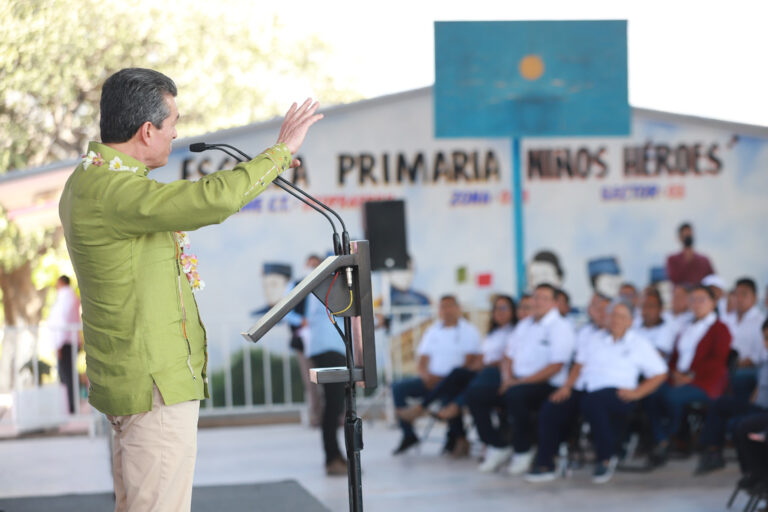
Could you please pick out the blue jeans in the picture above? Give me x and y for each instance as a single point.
(407, 388)
(669, 402)
(555, 422)
(451, 388)
(415, 388)
(607, 416)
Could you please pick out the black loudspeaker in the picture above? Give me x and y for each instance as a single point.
(384, 224)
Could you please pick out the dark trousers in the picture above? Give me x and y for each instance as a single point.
(555, 422)
(607, 415)
(753, 455)
(66, 376)
(334, 404)
(724, 412)
(743, 382)
(482, 398)
(669, 402)
(521, 401)
(451, 388)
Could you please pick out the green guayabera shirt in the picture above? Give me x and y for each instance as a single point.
(140, 318)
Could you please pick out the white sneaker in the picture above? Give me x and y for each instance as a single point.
(604, 472)
(521, 463)
(494, 459)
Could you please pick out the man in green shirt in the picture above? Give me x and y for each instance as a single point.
(145, 344)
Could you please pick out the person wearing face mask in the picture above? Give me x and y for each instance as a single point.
(688, 267)
(698, 370)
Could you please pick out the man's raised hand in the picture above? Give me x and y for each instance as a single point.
(297, 122)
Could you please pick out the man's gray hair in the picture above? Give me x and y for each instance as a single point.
(623, 302)
(130, 98)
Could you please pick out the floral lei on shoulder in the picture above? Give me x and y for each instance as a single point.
(116, 164)
(189, 262)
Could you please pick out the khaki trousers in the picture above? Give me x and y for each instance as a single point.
(153, 457)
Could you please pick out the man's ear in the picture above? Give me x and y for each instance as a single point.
(145, 132)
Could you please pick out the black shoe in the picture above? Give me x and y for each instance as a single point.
(406, 443)
(659, 455)
(748, 482)
(709, 461)
(449, 445)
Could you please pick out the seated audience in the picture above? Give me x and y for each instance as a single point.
(679, 315)
(560, 413)
(729, 409)
(612, 365)
(745, 325)
(717, 285)
(628, 293)
(653, 327)
(698, 372)
(449, 343)
(450, 391)
(534, 367)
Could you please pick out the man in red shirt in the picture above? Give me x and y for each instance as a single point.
(688, 267)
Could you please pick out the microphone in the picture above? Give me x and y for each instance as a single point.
(202, 146)
(338, 246)
(198, 147)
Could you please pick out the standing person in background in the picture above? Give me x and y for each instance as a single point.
(299, 343)
(687, 267)
(63, 322)
(325, 350)
(745, 325)
(145, 344)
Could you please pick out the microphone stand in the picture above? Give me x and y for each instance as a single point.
(353, 425)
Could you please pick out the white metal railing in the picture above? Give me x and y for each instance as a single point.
(235, 385)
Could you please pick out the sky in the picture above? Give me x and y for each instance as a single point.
(699, 58)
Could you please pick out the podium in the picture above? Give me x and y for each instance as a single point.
(343, 284)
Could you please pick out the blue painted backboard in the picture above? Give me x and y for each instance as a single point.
(531, 78)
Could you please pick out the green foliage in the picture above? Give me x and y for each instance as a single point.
(230, 63)
(217, 380)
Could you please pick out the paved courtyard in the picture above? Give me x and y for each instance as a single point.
(421, 482)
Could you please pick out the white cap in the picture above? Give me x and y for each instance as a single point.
(713, 280)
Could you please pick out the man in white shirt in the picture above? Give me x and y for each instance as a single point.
(653, 327)
(611, 365)
(449, 343)
(535, 365)
(63, 321)
(558, 416)
(745, 325)
(680, 315)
